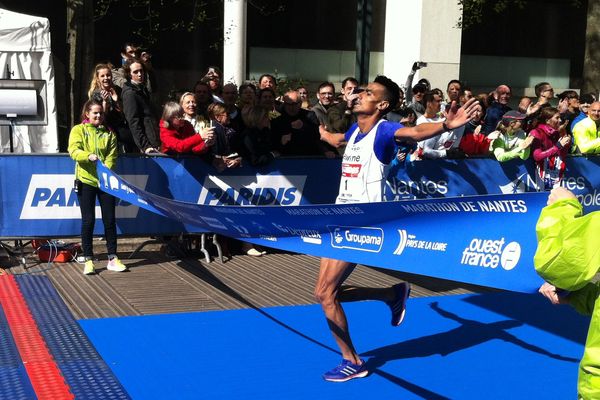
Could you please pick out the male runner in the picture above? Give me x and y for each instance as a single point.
(371, 144)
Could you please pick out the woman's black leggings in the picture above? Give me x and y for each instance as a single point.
(87, 203)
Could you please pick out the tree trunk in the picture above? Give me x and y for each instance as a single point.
(591, 63)
(80, 41)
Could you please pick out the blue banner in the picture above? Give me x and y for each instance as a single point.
(484, 240)
(37, 198)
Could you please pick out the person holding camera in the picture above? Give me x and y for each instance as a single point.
(408, 86)
(89, 142)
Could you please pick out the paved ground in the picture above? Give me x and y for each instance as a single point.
(158, 284)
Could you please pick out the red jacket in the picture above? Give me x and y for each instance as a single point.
(545, 144)
(548, 154)
(184, 140)
(475, 145)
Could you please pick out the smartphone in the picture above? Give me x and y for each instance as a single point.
(77, 185)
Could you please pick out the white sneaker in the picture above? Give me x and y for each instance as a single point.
(116, 265)
(254, 253)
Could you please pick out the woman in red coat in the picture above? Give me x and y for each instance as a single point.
(550, 147)
(178, 136)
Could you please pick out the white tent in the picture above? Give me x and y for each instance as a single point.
(25, 53)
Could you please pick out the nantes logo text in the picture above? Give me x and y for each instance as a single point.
(252, 190)
(491, 253)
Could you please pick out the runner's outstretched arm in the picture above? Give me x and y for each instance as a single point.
(457, 117)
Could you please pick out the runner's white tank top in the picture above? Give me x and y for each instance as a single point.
(363, 175)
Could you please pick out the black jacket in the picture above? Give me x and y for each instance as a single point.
(141, 116)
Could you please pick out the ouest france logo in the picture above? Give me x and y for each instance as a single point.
(490, 253)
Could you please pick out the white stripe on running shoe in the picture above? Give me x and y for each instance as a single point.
(348, 370)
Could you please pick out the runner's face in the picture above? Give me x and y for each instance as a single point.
(370, 100)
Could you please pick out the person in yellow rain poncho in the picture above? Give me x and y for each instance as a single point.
(568, 258)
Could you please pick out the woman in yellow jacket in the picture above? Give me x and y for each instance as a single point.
(568, 258)
(89, 142)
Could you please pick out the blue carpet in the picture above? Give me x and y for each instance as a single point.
(492, 346)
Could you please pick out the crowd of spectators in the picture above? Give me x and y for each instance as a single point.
(535, 129)
(256, 123)
(228, 126)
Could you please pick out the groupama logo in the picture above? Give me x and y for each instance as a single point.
(356, 238)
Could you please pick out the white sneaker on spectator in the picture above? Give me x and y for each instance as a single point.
(254, 253)
(116, 265)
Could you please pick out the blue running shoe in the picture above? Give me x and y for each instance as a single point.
(398, 306)
(346, 371)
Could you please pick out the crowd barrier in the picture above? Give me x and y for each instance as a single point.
(37, 197)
